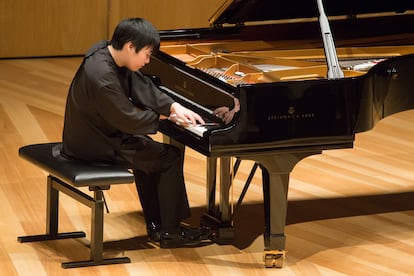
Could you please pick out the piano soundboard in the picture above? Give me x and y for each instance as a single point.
(235, 64)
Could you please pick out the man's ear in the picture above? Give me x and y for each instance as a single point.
(129, 46)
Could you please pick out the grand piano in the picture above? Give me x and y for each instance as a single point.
(278, 81)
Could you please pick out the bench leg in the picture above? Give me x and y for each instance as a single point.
(54, 185)
(52, 218)
(97, 214)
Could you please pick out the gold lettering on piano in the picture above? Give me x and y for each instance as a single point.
(290, 115)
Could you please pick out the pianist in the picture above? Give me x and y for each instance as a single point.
(111, 109)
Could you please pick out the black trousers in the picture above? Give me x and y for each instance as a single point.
(159, 178)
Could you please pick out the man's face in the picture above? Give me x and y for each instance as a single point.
(138, 60)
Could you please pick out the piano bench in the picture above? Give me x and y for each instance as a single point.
(67, 176)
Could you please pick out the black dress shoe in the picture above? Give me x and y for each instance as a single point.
(154, 232)
(185, 237)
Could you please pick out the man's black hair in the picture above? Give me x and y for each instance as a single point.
(138, 31)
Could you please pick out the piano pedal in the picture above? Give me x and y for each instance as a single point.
(208, 233)
(274, 258)
(218, 231)
(218, 235)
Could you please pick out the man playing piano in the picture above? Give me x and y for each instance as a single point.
(111, 109)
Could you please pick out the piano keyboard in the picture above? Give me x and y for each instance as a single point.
(197, 129)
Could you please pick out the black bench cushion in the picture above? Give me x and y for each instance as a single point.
(77, 173)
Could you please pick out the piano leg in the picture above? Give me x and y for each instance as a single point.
(219, 218)
(226, 179)
(275, 176)
(275, 209)
(211, 184)
(226, 231)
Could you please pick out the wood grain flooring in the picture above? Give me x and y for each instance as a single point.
(351, 211)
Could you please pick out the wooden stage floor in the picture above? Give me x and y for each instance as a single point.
(351, 211)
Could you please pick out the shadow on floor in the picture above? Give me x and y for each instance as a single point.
(249, 220)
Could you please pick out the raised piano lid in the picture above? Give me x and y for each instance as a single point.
(242, 11)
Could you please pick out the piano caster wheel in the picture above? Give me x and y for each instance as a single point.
(274, 258)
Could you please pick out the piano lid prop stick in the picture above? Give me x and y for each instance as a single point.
(334, 70)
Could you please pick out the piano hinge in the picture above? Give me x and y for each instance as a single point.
(352, 16)
(220, 26)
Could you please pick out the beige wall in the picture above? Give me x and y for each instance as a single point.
(31, 28)
(165, 14)
(50, 27)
